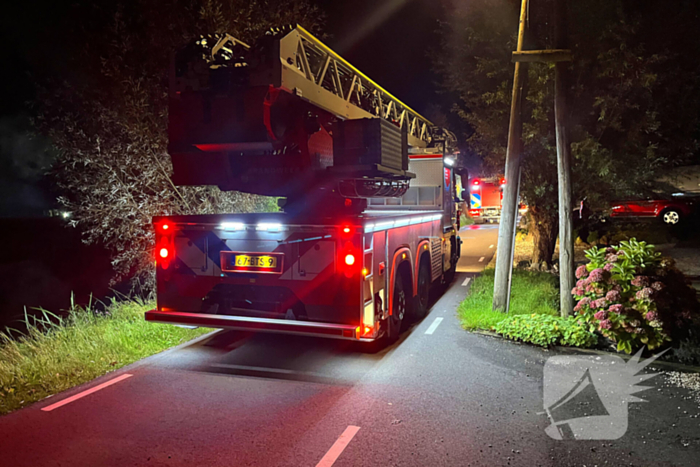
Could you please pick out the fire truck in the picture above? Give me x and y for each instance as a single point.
(368, 220)
(486, 199)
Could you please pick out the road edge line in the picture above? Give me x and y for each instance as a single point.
(86, 392)
(338, 447)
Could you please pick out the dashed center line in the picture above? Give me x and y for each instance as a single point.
(466, 281)
(481, 260)
(87, 392)
(434, 326)
(338, 447)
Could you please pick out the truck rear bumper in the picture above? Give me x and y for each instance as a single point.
(243, 323)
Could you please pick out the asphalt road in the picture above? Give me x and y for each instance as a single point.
(439, 397)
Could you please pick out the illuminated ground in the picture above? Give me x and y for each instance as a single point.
(444, 397)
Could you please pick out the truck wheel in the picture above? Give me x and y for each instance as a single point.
(421, 307)
(398, 311)
(671, 217)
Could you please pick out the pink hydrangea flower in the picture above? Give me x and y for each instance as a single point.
(611, 258)
(658, 286)
(640, 281)
(652, 316)
(601, 315)
(581, 271)
(597, 275)
(605, 324)
(616, 308)
(644, 294)
(608, 267)
(613, 296)
(600, 303)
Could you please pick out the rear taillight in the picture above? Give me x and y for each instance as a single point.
(165, 244)
(348, 259)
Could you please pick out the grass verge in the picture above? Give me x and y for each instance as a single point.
(57, 353)
(531, 293)
(534, 311)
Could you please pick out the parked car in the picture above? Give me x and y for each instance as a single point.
(671, 211)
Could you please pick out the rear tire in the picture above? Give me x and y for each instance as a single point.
(399, 307)
(671, 217)
(423, 295)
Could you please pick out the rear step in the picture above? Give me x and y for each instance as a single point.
(306, 328)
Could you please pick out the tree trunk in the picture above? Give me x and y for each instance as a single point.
(545, 227)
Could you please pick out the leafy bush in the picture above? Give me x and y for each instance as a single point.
(546, 330)
(633, 296)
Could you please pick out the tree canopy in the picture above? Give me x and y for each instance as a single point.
(102, 101)
(634, 96)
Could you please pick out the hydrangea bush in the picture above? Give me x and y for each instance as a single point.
(632, 296)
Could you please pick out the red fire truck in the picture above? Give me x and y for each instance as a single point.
(485, 199)
(368, 221)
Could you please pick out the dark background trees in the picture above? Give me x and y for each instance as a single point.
(635, 97)
(102, 101)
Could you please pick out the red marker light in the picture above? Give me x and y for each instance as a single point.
(349, 259)
(166, 226)
(164, 253)
(346, 230)
(503, 181)
(476, 182)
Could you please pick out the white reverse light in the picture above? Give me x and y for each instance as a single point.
(449, 161)
(233, 226)
(266, 227)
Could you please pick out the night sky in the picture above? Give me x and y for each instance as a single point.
(389, 40)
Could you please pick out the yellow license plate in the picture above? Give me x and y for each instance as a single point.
(256, 261)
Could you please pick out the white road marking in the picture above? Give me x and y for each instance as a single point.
(434, 326)
(490, 246)
(481, 260)
(338, 447)
(466, 281)
(80, 395)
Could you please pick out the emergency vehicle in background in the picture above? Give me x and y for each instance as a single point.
(486, 199)
(368, 219)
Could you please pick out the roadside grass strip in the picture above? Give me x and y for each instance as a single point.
(534, 311)
(60, 352)
(532, 293)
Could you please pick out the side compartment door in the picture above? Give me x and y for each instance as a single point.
(379, 257)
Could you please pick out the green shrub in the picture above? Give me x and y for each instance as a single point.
(633, 296)
(547, 330)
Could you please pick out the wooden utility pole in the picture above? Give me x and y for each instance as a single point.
(506, 231)
(567, 279)
(509, 209)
